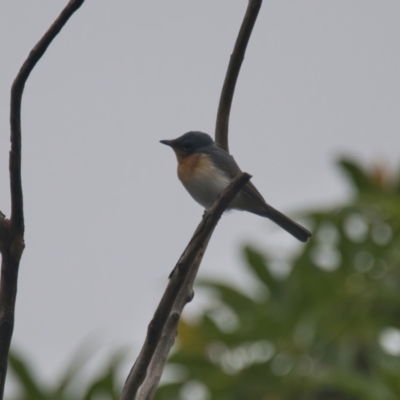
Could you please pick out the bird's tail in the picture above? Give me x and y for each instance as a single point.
(287, 224)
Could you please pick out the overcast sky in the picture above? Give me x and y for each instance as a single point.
(106, 217)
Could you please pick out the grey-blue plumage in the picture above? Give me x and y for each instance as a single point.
(205, 170)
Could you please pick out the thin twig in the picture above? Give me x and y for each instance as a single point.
(237, 57)
(12, 230)
(186, 263)
(17, 214)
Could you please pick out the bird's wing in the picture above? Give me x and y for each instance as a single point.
(227, 163)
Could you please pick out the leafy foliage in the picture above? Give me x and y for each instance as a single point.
(330, 330)
(68, 386)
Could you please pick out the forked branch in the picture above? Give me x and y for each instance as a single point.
(145, 375)
(12, 230)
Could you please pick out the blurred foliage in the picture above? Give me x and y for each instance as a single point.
(70, 385)
(328, 330)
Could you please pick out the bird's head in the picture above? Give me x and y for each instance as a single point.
(189, 143)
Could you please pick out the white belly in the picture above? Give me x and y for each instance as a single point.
(206, 185)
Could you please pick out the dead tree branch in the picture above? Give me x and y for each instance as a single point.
(179, 283)
(145, 375)
(12, 230)
(154, 372)
(237, 57)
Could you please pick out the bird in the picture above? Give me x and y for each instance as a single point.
(205, 170)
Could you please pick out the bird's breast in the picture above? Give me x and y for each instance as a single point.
(201, 178)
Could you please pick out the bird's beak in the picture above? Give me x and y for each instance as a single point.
(167, 142)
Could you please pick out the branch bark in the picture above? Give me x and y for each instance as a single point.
(237, 57)
(12, 230)
(179, 286)
(154, 372)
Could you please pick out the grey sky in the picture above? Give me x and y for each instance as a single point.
(106, 217)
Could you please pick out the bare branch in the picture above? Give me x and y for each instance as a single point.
(17, 214)
(189, 260)
(12, 230)
(154, 372)
(185, 293)
(237, 57)
(163, 328)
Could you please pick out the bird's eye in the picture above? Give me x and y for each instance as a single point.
(186, 147)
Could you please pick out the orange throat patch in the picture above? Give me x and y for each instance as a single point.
(189, 166)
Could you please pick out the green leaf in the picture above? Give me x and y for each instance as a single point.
(257, 264)
(81, 357)
(357, 176)
(28, 383)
